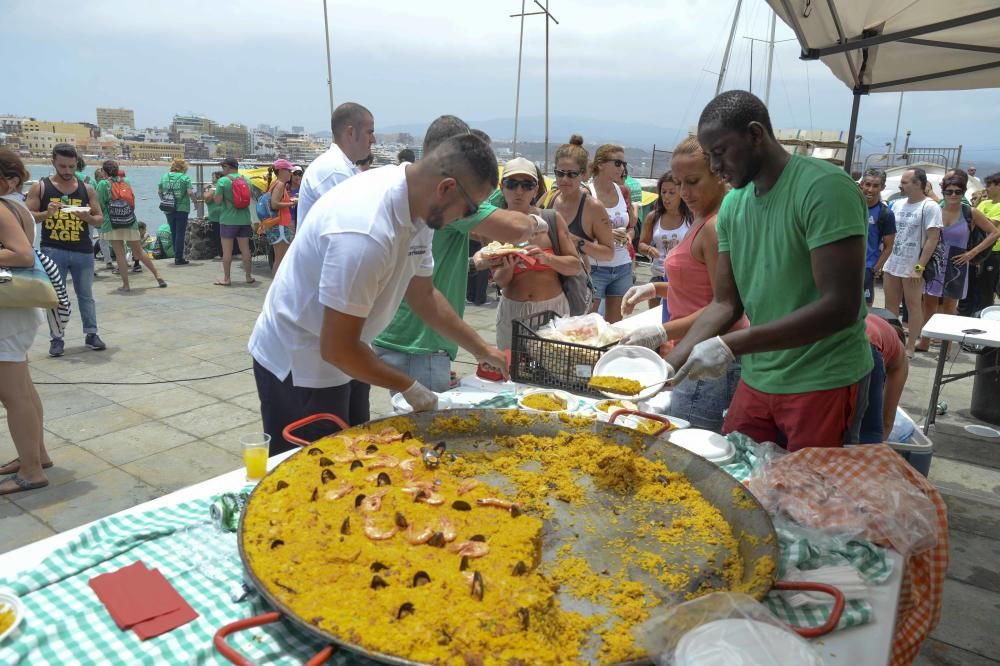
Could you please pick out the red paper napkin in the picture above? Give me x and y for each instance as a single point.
(142, 599)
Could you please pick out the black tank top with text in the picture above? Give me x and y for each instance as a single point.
(65, 230)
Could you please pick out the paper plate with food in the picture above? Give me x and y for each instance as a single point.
(547, 400)
(498, 249)
(629, 372)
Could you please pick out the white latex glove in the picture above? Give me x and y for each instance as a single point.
(650, 337)
(636, 295)
(421, 398)
(710, 359)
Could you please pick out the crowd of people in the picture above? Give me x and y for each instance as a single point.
(765, 266)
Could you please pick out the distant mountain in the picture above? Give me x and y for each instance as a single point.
(532, 128)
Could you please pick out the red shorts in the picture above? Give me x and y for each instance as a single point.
(793, 420)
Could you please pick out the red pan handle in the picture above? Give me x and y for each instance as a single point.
(838, 605)
(287, 432)
(667, 425)
(267, 618)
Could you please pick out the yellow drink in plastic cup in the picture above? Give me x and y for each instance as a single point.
(255, 454)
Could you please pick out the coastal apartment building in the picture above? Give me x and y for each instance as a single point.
(111, 118)
(141, 150)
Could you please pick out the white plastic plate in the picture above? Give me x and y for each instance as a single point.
(13, 601)
(745, 642)
(632, 362)
(704, 443)
(571, 400)
(402, 407)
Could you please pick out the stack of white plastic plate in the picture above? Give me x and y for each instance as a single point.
(400, 405)
(704, 443)
(631, 362)
(743, 642)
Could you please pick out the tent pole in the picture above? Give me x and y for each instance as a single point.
(517, 94)
(770, 59)
(849, 158)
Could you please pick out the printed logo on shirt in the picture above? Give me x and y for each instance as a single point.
(417, 250)
(65, 227)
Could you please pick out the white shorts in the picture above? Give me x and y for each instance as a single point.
(16, 340)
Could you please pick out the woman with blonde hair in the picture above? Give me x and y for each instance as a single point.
(176, 195)
(612, 278)
(588, 220)
(17, 332)
(690, 271)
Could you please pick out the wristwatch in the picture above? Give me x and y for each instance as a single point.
(918, 268)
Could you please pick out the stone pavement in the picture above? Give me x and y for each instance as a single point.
(115, 446)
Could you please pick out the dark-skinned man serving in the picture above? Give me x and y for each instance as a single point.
(792, 256)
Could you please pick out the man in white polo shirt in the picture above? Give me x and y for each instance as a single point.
(366, 246)
(353, 129)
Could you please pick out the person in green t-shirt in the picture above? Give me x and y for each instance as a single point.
(176, 185)
(234, 223)
(408, 343)
(118, 235)
(792, 256)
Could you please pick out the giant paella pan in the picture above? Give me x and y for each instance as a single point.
(492, 536)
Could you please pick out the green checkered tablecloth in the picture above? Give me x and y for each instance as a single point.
(65, 623)
(806, 549)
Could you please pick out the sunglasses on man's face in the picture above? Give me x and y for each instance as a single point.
(471, 207)
(566, 174)
(951, 192)
(526, 185)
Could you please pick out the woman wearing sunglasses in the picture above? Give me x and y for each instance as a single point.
(530, 284)
(588, 221)
(951, 283)
(612, 278)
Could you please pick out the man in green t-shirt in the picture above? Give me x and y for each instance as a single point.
(408, 343)
(234, 223)
(212, 212)
(792, 256)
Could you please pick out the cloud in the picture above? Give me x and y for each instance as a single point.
(645, 62)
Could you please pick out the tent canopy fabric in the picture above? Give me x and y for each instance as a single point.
(900, 45)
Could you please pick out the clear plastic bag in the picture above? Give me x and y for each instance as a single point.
(722, 629)
(888, 510)
(589, 329)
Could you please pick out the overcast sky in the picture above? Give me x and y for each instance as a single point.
(256, 61)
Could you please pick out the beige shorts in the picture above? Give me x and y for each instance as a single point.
(121, 235)
(508, 311)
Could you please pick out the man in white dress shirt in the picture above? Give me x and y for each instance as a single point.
(365, 247)
(353, 135)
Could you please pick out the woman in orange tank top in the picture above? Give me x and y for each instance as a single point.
(690, 269)
(280, 235)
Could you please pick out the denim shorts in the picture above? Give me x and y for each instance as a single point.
(611, 280)
(279, 234)
(702, 401)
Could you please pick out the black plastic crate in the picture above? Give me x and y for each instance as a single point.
(562, 365)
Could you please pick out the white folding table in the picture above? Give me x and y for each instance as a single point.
(963, 330)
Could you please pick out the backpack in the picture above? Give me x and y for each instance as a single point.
(578, 288)
(883, 218)
(267, 216)
(976, 236)
(121, 209)
(168, 200)
(241, 192)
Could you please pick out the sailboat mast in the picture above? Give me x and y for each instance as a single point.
(729, 48)
(770, 59)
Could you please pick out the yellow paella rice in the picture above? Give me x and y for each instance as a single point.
(399, 565)
(618, 385)
(614, 405)
(544, 402)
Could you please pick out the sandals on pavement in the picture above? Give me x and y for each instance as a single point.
(161, 282)
(251, 280)
(223, 283)
(22, 485)
(18, 461)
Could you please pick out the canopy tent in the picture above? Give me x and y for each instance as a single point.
(898, 45)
